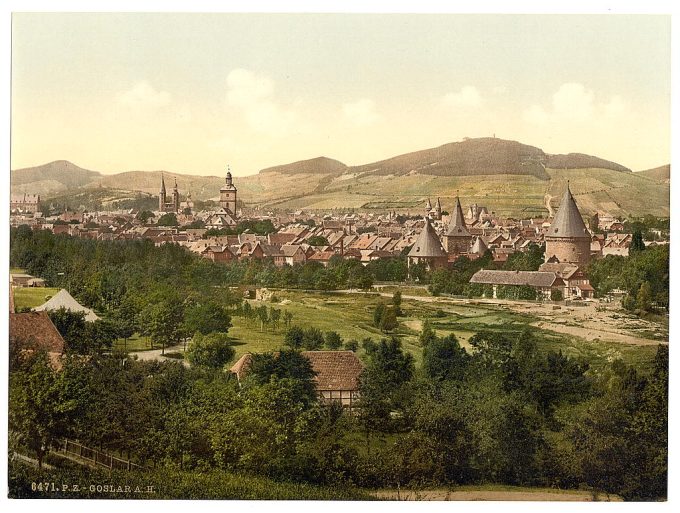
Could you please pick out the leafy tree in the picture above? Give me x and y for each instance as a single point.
(333, 340)
(396, 302)
(287, 318)
(168, 219)
(556, 295)
(294, 337)
(445, 359)
(387, 370)
(644, 296)
(378, 314)
(275, 317)
(286, 364)
(144, 216)
(317, 240)
(637, 243)
(36, 409)
(388, 321)
(213, 350)
(427, 334)
(206, 317)
(164, 322)
(313, 339)
(352, 345)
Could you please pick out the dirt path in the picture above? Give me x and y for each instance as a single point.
(595, 334)
(495, 495)
(155, 354)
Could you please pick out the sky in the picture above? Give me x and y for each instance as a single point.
(192, 93)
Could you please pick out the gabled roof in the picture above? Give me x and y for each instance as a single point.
(63, 299)
(35, 331)
(531, 278)
(335, 370)
(427, 245)
(479, 247)
(568, 221)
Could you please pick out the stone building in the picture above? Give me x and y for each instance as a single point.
(457, 238)
(427, 249)
(165, 205)
(568, 240)
(24, 203)
(228, 195)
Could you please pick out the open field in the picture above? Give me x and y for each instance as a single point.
(582, 332)
(30, 297)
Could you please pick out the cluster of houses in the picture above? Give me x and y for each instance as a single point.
(434, 238)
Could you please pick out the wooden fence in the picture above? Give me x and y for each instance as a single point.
(97, 457)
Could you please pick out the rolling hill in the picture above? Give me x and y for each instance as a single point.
(508, 177)
(660, 174)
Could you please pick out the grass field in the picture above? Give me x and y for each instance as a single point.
(351, 316)
(30, 297)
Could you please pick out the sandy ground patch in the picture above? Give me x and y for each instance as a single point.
(495, 495)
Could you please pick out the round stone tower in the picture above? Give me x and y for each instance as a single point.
(568, 239)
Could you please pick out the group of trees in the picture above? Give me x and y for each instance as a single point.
(265, 317)
(505, 411)
(644, 275)
(313, 339)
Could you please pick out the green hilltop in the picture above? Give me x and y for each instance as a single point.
(508, 177)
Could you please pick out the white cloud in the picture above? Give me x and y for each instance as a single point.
(467, 97)
(573, 100)
(362, 112)
(143, 95)
(253, 94)
(574, 104)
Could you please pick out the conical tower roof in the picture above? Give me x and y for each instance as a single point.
(427, 244)
(457, 226)
(568, 221)
(428, 206)
(162, 184)
(479, 247)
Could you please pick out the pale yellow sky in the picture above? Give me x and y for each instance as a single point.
(190, 93)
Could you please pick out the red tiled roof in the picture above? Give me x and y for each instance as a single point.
(335, 370)
(35, 331)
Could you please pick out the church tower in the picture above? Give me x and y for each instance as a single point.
(228, 195)
(568, 240)
(175, 197)
(457, 238)
(162, 195)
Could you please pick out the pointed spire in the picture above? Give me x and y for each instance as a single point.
(175, 183)
(457, 226)
(439, 205)
(429, 205)
(162, 184)
(427, 243)
(568, 221)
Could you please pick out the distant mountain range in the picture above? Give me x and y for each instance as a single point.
(507, 176)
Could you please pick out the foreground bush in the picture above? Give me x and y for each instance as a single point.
(167, 484)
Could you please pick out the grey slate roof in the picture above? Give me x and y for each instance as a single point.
(457, 227)
(427, 245)
(531, 278)
(568, 221)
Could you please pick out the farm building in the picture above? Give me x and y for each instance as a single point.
(542, 282)
(337, 374)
